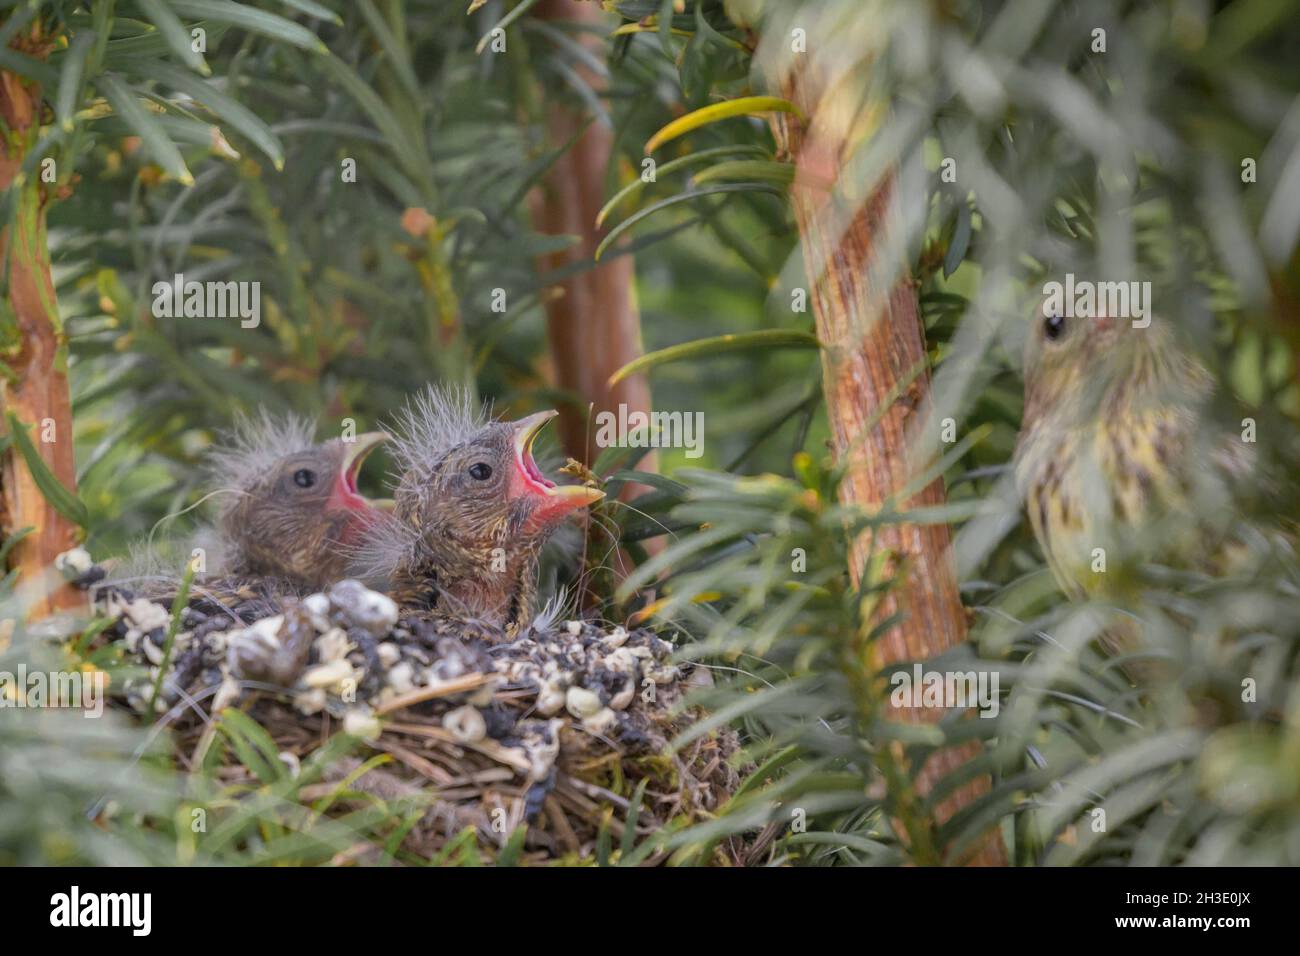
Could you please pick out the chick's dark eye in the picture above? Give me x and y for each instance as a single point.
(1054, 327)
(304, 477)
(480, 471)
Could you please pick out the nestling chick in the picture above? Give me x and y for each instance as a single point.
(1116, 453)
(472, 511)
(296, 511)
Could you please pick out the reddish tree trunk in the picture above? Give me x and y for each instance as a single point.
(594, 327)
(872, 339)
(33, 381)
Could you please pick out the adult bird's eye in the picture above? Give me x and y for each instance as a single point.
(480, 471)
(304, 477)
(1054, 326)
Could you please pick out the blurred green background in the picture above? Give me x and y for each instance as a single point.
(1119, 161)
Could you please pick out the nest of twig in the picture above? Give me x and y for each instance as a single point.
(551, 729)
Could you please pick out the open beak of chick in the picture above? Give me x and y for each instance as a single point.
(344, 495)
(552, 502)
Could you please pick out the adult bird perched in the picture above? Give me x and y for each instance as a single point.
(291, 511)
(471, 512)
(1117, 460)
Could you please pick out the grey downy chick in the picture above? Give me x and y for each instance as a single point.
(290, 510)
(471, 512)
(290, 513)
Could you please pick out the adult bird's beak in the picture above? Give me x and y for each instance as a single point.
(554, 501)
(345, 494)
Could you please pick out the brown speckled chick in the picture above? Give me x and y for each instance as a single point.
(290, 509)
(472, 511)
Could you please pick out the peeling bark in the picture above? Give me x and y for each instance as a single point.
(873, 339)
(33, 364)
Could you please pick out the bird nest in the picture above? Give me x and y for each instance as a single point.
(562, 729)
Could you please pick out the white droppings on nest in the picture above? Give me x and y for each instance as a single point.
(442, 674)
(581, 702)
(311, 702)
(540, 746)
(601, 722)
(226, 695)
(624, 697)
(259, 641)
(146, 616)
(466, 724)
(664, 674)
(550, 699)
(362, 722)
(346, 651)
(401, 677)
(317, 608)
(333, 645)
(364, 608)
(337, 676)
(622, 660)
(73, 563)
(263, 634)
(528, 716)
(218, 642)
(518, 672)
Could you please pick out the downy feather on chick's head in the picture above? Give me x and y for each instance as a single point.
(290, 508)
(471, 511)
